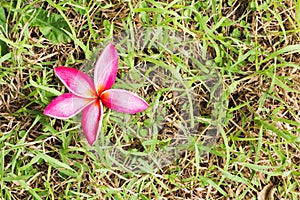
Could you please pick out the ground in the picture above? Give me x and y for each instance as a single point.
(252, 44)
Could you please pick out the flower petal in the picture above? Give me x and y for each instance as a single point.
(66, 105)
(92, 120)
(106, 69)
(123, 101)
(76, 81)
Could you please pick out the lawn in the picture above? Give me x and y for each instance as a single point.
(222, 80)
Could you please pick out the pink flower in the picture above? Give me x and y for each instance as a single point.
(89, 97)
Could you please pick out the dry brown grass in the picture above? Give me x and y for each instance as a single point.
(250, 136)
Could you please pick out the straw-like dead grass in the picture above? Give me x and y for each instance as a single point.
(264, 131)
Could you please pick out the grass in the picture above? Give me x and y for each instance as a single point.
(253, 45)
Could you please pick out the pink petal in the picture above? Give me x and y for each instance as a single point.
(76, 81)
(106, 69)
(123, 101)
(66, 106)
(91, 121)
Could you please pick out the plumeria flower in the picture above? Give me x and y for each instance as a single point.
(89, 97)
